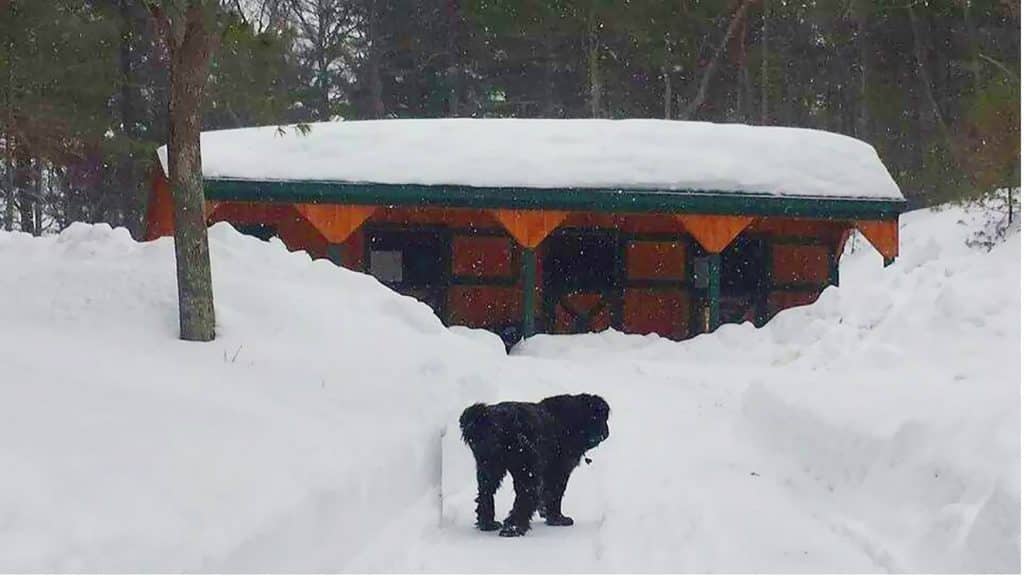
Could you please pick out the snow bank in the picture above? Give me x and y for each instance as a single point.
(892, 405)
(275, 447)
(876, 430)
(657, 155)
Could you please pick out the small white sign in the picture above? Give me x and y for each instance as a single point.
(386, 266)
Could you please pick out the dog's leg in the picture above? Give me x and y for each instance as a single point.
(526, 481)
(555, 480)
(488, 479)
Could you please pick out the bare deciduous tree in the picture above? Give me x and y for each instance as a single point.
(188, 29)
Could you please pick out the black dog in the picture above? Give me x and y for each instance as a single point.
(539, 444)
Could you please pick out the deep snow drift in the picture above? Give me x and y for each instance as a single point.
(876, 430)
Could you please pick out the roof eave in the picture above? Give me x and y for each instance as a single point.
(604, 200)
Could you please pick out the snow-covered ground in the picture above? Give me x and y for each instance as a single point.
(876, 430)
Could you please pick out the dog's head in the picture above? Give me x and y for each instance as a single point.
(584, 417)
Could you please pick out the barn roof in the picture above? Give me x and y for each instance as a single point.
(643, 165)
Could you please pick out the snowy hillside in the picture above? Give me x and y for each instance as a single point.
(876, 430)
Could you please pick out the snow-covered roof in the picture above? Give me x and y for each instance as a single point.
(635, 155)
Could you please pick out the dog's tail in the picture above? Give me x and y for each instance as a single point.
(472, 422)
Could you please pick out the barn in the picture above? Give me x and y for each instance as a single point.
(559, 226)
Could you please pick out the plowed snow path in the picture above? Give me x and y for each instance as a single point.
(702, 473)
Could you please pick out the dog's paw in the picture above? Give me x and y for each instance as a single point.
(513, 530)
(488, 526)
(559, 520)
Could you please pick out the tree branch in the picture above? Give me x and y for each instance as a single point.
(705, 81)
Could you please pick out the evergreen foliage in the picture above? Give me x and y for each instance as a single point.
(933, 85)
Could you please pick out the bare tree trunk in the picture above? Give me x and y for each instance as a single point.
(452, 75)
(926, 83)
(26, 203)
(667, 79)
(593, 63)
(745, 98)
(667, 93)
(133, 198)
(9, 140)
(705, 81)
(861, 16)
(373, 80)
(550, 59)
(9, 197)
(190, 44)
(972, 44)
(764, 62)
(40, 195)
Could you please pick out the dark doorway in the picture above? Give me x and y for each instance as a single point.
(582, 281)
(263, 232)
(744, 283)
(412, 262)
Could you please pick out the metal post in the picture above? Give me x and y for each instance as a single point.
(886, 261)
(529, 275)
(714, 289)
(335, 252)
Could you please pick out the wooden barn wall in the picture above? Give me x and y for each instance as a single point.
(485, 290)
(802, 258)
(657, 295)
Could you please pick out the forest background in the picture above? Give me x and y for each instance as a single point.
(933, 85)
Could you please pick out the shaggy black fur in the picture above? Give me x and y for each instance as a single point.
(539, 444)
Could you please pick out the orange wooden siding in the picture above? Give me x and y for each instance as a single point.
(656, 260)
(529, 228)
(476, 256)
(627, 223)
(564, 321)
(661, 311)
(298, 234)
(160, 209)
(251, 213)
(484, 306)
(884, 236)
(714, 232)
(800, 264)
(455, 218)
(335, 222)
(779, 300)
(807, 228)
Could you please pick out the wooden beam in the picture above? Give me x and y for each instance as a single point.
(841, 240)
(529, 276)
(335, 222)
(714, 290)
(336, 254)
(252, 213)
(837, 253)
(160, 209)
(160, 212)
(714, 232)
(209, 209)
(529, 227)
(884, 236)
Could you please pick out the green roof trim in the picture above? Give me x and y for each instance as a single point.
(578, 199)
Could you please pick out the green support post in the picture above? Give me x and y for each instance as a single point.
(886, 261)
(335, 253)
(714, 289)
(833, 270)
(529, 274)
